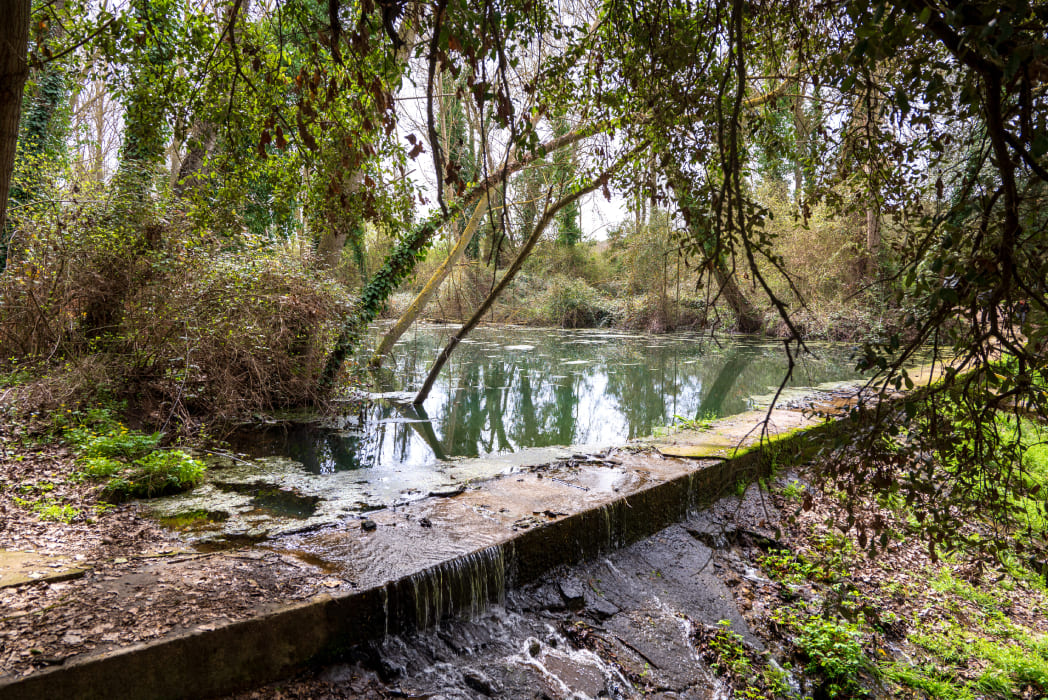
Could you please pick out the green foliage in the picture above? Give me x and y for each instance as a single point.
(571, 303)
(39, 497)
(793, 491)
(130, 464)
(933, 681)
(834, 650)
(157, 474)
(964, 461)
(754, 676)
(827, 564)
(730, 650)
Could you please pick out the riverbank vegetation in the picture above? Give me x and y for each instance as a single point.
(906, 623)
(208, 207)
(205, 208)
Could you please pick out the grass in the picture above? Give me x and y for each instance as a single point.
(704, 422)
(39, 497)
(928, 633)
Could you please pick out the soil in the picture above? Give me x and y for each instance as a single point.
(127, 580)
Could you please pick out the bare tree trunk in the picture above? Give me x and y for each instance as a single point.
(14, 69)
(873, 236)
(203, 134)
(747, 320)
(800, 129)
(201, 142)
(333, 240)
(416, 307)
(514, 268)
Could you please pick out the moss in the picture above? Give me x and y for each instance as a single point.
(193, 519)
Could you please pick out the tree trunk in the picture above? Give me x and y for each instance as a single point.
(800, 131)
(746, 317)
(412, 247)
(14, 69)
(514, 268)
(200, 144)
(333, 239)
(203, 133)
(747, 320)
(873, 237)
(416, 307)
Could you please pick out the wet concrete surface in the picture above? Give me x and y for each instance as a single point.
(21, 568)
(621, 625)
(405, 568)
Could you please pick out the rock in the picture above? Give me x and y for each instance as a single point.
(600, 607)
(389, 670)
(545, 597)
(368, 525)
(425, 522)
(710, 538)
(448, 493)
(573, 593)
(479, 682)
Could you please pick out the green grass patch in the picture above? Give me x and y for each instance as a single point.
(38, 497)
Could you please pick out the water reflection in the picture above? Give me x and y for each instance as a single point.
(505, 389)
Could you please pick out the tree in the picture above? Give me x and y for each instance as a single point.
(42, 132)
(548, 215)
(14, 69)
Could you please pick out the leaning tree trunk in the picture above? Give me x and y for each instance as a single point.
(413, 246)
(14, 69)
(514, 268)
(420, 301)
(747, 320)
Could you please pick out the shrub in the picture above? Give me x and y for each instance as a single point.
(129, 463)
(571, 303)
(834, 650)
(179, 321)
(158, 474)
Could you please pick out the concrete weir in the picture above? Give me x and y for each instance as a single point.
(440, 557)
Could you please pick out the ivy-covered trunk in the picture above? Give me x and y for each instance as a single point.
(413, 246)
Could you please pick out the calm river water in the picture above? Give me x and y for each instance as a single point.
(510, 388)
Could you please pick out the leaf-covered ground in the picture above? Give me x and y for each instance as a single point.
(140, 582)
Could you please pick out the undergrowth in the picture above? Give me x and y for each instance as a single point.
(128, 463)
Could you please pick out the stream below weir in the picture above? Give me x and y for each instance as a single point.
(625, 625)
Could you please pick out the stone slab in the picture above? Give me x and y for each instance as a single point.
(21, 568)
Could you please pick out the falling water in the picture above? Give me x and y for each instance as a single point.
(462, 586)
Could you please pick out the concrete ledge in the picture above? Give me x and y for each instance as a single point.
(487, 555)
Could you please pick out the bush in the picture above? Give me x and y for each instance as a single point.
(571, 303)
(178, 321)
(834, 650)
(157, 474)
(129, 463)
